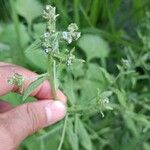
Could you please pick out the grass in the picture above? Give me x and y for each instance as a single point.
(115, 44)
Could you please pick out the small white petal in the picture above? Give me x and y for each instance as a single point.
(46, 34)
(65, 35)
(47, 7)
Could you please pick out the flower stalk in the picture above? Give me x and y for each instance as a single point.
(50, 45)
(50, 15)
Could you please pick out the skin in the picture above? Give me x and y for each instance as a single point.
(16, 123)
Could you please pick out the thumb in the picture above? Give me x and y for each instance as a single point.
(30, 117)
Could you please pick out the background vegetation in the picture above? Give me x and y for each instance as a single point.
(115, 43)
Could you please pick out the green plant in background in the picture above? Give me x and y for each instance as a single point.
(115, 75)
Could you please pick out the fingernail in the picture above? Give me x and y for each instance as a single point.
(55, 111)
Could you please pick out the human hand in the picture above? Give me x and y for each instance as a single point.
(19, 122)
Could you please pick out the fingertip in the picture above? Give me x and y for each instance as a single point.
(45, 92)
(61, 96)
(55, 111)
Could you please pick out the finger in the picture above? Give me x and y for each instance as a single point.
(30, 117)
(4, 106)
(43, 91)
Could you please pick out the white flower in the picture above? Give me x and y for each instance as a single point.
(70, 40)
(46, 34)
(70, 60)
(76, 35)
(47, 7)
(46, 50)
(106, 100)
(66, 36)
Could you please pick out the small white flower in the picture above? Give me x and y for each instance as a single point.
(126, 63)
(106, 100)
(70, 40)
(46, 34)
(70, 60)
(46, 50)
(47, 7)
(65, 35)
(76, 35)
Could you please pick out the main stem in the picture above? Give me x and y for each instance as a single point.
(52, 77)
(51, 70)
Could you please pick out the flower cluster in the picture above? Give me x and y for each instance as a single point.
(103, 101)
(72, 34)
(52, 38)
(45, 43)
(126, 64)
(50, 42)
(70, 59)
(49, 13)
(17, 80)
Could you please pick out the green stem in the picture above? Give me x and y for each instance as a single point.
(110, 17)
(76, 12)
(81, 109)
(20, 55)
(86, 17)
(52, 75)
(95, 9)
(55, 79)
(63, 133)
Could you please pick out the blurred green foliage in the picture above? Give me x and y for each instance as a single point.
(115, 43)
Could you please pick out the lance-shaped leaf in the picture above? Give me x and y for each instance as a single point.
(33, 86)
(84, 137)
(72, 136)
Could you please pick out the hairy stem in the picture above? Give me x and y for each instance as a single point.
(51, 70)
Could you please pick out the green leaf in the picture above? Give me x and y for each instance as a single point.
(106, 94)
(9, 36)
(36, 56)
(130, 123)
(95, 72)
(29, 9)
(93, 46)
(33, 86)
(39, 29)
(89, 90)
(72, 137)
(84, 137)
(77, 70)
(106, 75)
(121, 95)
(16, 99)
(146, 146)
